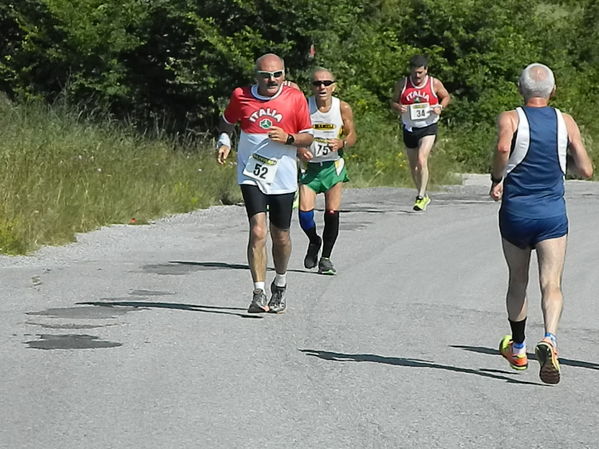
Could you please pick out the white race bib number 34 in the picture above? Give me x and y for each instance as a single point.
(420, 111)
(261, 168)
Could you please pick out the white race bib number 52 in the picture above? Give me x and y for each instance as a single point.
(261, 168)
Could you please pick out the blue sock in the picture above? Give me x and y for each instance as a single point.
(307, 223)
(306, 219)
(551, 337)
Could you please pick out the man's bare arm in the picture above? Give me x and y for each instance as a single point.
(582, 161)
(349, 128)
(441, 92)
(225, 131)
(395, 104)
(506, 126)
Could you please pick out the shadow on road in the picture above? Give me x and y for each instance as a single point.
(170, 305)
(413, 363)
(562, 361)
(179, 267)
(230, 266)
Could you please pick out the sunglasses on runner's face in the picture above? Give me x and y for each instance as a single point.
(327, 83)
(267, 75)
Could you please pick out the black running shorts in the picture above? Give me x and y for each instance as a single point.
(411, 139)
(279, 207)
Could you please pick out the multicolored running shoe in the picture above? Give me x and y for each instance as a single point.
(518, 362)
(546, 354)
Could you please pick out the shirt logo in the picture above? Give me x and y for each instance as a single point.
(265, 124)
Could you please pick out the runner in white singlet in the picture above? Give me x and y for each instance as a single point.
(334, 132)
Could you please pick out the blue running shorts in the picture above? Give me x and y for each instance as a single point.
(527, 232)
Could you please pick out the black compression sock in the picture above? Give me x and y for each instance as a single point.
(330, 232)
(518, 328)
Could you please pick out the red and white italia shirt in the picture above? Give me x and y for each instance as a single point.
(255, 113)
(422, 95)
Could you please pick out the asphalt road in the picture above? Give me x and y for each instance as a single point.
(138, 336)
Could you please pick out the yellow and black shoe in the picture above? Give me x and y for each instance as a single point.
(421, 203)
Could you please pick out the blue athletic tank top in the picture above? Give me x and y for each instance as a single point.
(534, 180)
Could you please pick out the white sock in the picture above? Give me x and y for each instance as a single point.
(518, 351)
(259, 286)
(280, 280)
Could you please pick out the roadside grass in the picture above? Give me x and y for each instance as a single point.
(379, 159)
(61, 174)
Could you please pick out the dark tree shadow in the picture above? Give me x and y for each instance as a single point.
(414, 363)
(170, 305)
(531, 356)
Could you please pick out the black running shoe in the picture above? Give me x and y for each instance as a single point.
(277, 303)
(325, 266)
(312, 254)
(259, 302)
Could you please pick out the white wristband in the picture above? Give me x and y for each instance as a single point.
(223, 139)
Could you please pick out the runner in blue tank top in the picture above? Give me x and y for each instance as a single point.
(528, 176)
(534, 184)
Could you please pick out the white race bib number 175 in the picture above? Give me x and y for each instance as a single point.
(261, 168)
(322, 149)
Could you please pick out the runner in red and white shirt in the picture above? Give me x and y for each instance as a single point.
(274, 121)
(419, 98)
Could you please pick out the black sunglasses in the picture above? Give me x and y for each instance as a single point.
(267, 75)
(327, 83)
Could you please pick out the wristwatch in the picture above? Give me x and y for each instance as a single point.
(290, 139)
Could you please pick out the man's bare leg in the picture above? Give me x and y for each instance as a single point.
(551, 254)
(418, 161)
(518, 261)
(512, 347)
(281, 251)
(257, 260)
(256, 250)
(307, 198)
(281, 248)
(332, 197)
